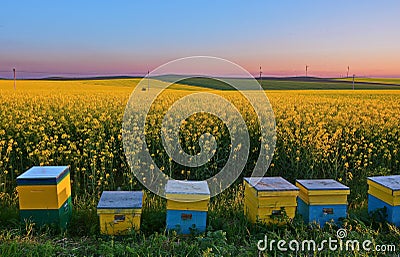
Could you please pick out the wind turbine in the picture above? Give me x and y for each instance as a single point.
(15, 78)
(348, 69)
(307, 71)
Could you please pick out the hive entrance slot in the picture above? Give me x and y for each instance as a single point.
(277, 213)
(119, 218)
(186, 216)
(327, 210)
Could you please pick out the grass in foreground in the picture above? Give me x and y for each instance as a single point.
(228, 233)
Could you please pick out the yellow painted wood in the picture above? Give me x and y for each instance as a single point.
(269, 199)
(263, 205)
(119, 211)
(267, 220)
(268, 210)
(44, 196)
(252, 190)
(383, 188)
(192, 206)
(265, 215)
(187, 197)
(322, 192)
(384, 196)
(272, 201)
(119, 223)
(323, 199)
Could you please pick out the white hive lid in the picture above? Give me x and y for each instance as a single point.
(186, 187)
(270, 184)
(321, 184)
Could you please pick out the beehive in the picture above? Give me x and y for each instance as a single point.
(120, 212)
(322, 200)
(384, 191)
(187, 206)
(267, 198)
(45, 195)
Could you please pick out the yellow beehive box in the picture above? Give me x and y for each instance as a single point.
(385, 188)
(44, 187)
(120, 212)
(267, 214)
(195, 206)
(268, 197)
(322, 192)
(187, 195)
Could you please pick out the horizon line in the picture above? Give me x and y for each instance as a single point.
(76, 76)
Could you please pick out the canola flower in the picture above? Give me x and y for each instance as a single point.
(345, 135)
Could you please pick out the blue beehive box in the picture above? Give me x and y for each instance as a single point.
(186, 221)
(322, 200)
(187, 206)
(384, 192)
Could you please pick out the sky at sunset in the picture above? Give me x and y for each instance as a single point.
(79, 38)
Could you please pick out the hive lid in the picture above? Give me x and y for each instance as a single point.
(390, 182)
(321, 184)
(120, 200)
(43, 175)
(186, 187)
(270, 184)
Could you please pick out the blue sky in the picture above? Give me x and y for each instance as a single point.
(128, 37)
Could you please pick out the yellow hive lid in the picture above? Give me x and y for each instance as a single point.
(187, 191)
(387, 184)
(322, 187)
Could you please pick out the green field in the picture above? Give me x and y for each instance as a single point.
(296, 83)
(340, 134)
(394, 81)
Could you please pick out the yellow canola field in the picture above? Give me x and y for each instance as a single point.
(341, 134)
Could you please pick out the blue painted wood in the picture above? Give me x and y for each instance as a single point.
(390, 182)
(43, 175)
(120, 200)
(271, 184)
(184, 222)
(187, 187)
(393, 212)
(322, 184)
(321, 213)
